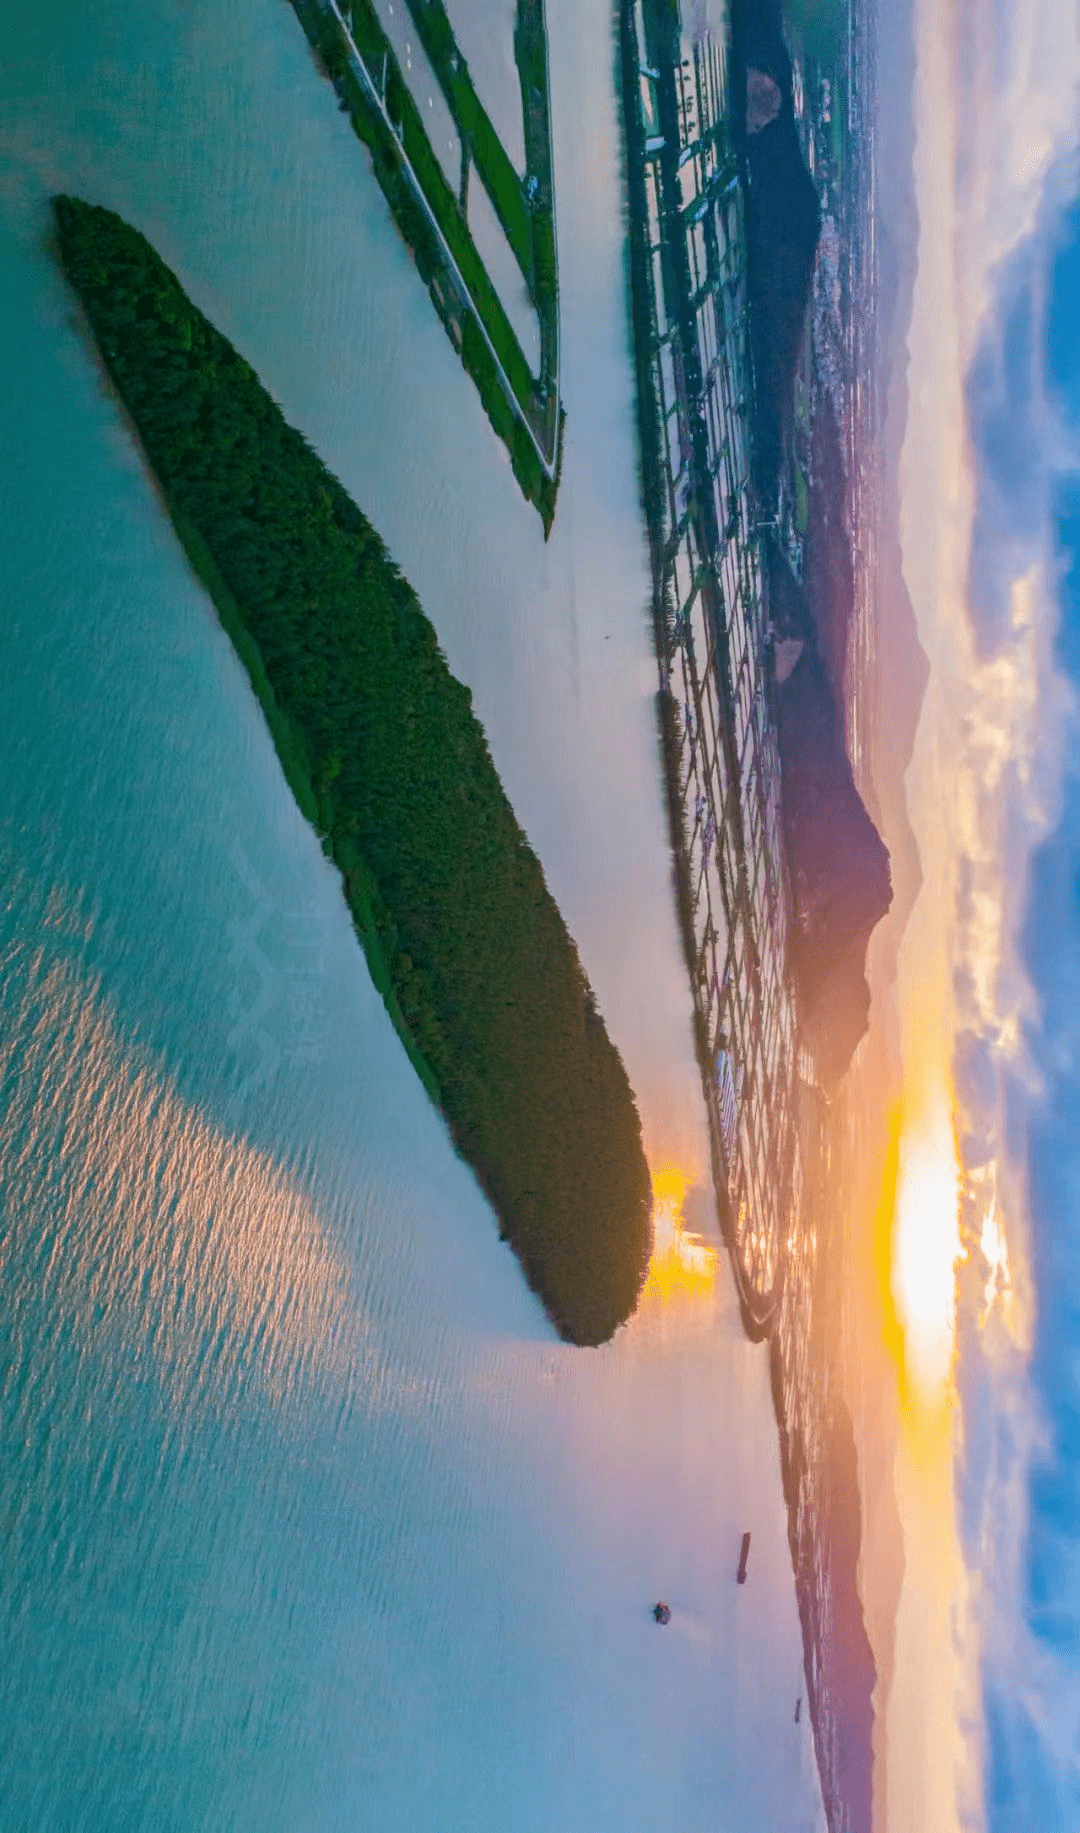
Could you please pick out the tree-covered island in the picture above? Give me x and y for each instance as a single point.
(386, 758)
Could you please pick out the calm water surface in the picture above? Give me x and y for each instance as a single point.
(308, 1519)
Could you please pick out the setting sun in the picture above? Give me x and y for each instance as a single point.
(926, 1244)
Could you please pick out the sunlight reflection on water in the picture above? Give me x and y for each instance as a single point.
(183, 1246)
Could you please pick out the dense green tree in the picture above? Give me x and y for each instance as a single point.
(384, 754)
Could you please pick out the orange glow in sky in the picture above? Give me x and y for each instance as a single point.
(926, 1244)
(884, 1219)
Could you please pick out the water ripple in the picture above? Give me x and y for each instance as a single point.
(147, 1234)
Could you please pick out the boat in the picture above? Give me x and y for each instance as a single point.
(744, 1554)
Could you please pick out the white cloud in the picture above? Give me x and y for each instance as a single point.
(996, 125)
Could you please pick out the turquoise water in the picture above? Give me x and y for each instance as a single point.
(308, 1520)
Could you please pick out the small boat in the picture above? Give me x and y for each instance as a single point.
(798, 1708)
(744, 1554)
(661, 1612)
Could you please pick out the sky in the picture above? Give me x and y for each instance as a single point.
(1034, 1726)
(983, 1724)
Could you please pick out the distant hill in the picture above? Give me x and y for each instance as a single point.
(852, 1670)
(839, 867)
(828, 565)
(757, 32)
(902, 662)
(783, 225)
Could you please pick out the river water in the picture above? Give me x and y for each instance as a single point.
(308, 1520)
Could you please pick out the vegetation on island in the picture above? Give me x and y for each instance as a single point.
(386, 758)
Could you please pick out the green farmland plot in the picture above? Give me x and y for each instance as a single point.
(523, 406)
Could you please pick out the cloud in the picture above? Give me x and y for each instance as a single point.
(1017, 1054)
(1062, 344)
(1016, 399)
(986, 507)
(1003, 421)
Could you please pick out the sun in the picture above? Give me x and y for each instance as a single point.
(926, 1245)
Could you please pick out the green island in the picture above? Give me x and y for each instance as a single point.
(357, 56)
(385, 757)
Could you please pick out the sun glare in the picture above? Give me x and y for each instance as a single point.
(926, 1246)
(995, 1252)
(682, 1265)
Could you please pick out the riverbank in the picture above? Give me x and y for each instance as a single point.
(390, 764)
